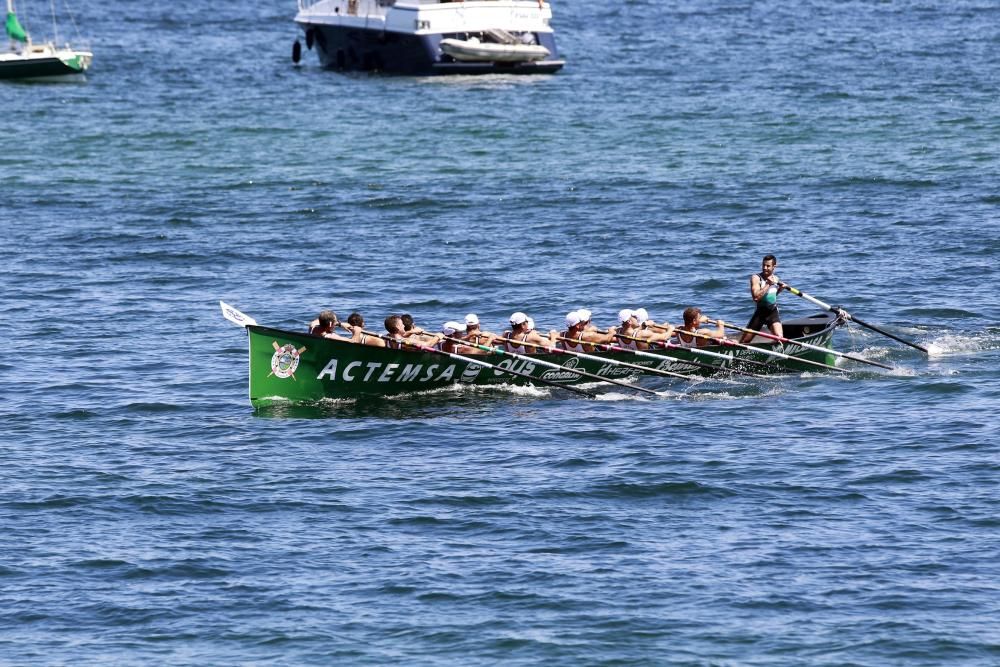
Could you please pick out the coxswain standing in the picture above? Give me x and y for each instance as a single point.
(764, 288)
(692, 320)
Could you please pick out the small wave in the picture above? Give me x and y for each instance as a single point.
(420, 520)
(52, 502)
(903, 475)
(634, 490)
(577, 462)
(79, 413)
(182, 570)
(101, 563)
(463, 501)
(153, 407)
(942, 388)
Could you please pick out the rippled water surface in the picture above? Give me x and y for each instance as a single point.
(150, 516)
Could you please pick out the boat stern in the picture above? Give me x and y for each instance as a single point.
(431, 37)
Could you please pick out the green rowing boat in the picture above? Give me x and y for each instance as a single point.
(287, 366)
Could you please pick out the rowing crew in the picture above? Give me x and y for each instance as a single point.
(635, 331)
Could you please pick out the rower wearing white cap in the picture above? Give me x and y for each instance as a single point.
(576, 330)
(628, 326)
(475, 335)
(522, 331)
(452, 330)
(631, 337)
(585, 317)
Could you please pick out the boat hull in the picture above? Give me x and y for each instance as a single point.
(287, 366)
(351, 49)
(40, 61)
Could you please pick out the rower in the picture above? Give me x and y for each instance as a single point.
(415, 334)
(395, 325)
(408, 325)
(627, 328)
(692, 320)
(356, 325)
(325, 325)
(585, 320)
(397, 336)
(452, 330)
(576, 329)
(573, 331)
(631, 337)
(475, 335)
(522, 331)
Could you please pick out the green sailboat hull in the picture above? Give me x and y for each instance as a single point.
(286, 366)
(39, 67)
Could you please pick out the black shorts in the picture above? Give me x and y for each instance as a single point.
(762, 317)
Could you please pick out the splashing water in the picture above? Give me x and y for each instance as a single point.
(957, 344)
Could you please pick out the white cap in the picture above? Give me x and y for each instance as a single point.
(641, 314)
(584, 315)
(531, 324)
(573, 318)
(451, 328)
(471, 320)
(517, 318)
(625, 315)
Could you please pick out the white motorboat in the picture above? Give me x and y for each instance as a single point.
(430, 36)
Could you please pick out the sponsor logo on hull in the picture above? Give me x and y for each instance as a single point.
(285, 360)
(562, 376)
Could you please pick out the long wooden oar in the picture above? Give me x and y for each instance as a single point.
(847, 316)
(782, 339)
(484, 364)
(616, 362)
(698, 351)
(549, 364)
(659, 357)
(771, 353)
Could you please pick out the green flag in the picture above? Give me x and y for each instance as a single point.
(14, 29)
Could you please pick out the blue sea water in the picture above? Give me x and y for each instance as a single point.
(150, 516)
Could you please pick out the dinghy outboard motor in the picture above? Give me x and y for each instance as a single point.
(296, 52)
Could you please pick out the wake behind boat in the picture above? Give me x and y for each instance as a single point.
(430, 36)
(300, 367)
(26, 59)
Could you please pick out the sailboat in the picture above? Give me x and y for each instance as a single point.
(26, 59)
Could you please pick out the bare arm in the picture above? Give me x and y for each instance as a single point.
(596, 336)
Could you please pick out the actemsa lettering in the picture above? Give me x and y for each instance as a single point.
(376, 371)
